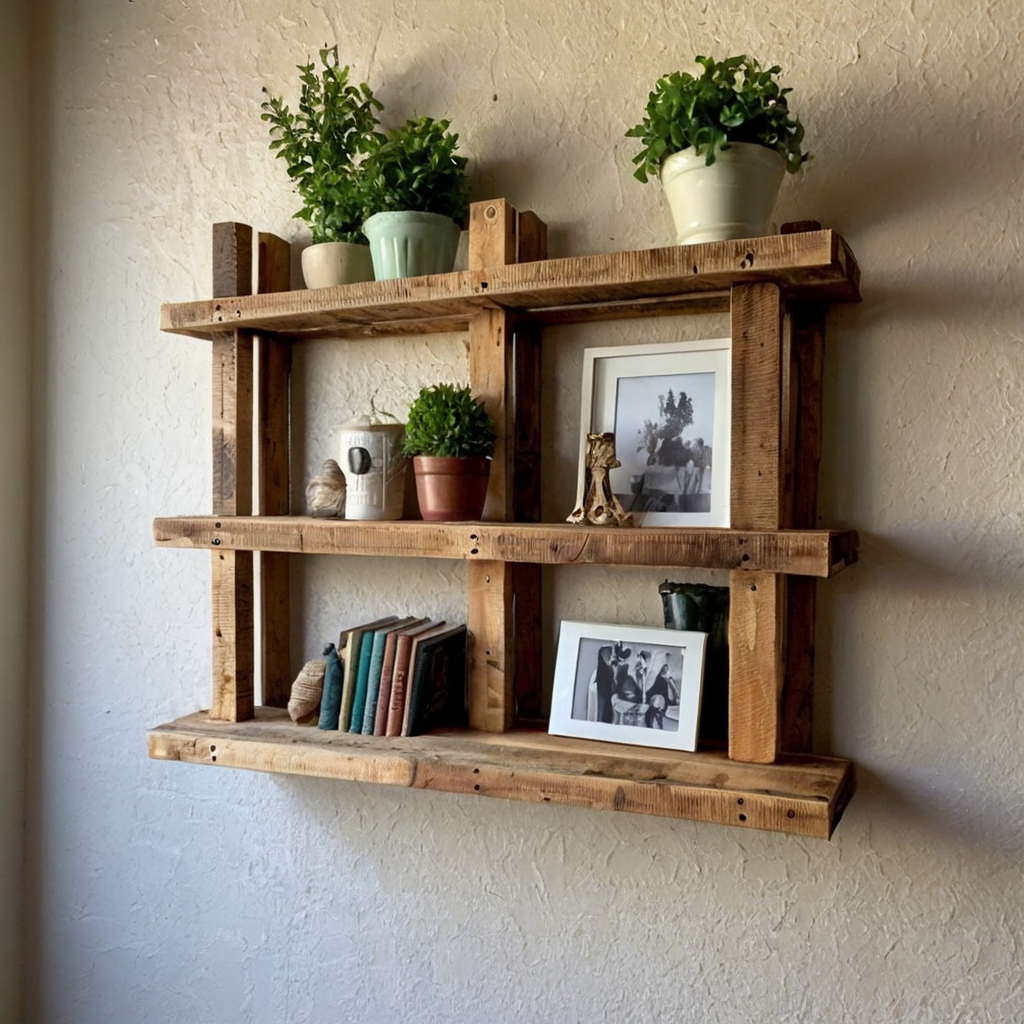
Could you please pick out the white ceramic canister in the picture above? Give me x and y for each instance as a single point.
(370, 454)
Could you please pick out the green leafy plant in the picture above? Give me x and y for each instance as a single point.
(734, 100)
(415, 167)
(445, 420)
(324, 144)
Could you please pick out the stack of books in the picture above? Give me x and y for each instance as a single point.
(398, 677)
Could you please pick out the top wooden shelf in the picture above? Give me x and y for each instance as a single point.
(815, 265)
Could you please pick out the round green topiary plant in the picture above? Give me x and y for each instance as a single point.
(446, 421)
(734, 100)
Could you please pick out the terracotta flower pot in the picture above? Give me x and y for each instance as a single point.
(451, 489)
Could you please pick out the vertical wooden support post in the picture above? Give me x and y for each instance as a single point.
(273, 274)
(756, 611)
(504, 613)
(232, 571)
(803, 356)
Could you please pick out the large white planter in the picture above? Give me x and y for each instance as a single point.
(731, 198)
(329, 263)
(405, 243)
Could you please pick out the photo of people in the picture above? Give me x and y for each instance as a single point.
(663, 427)
(623, 683)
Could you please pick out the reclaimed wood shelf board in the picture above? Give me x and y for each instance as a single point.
(800, 794)
(812, 265)
(821, 553)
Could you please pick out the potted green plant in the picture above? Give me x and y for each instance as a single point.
(721, 143)
(324, 144)
(450, 437)
(416, 190)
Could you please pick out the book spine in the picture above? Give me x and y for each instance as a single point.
(359, 694)
(396, 706)
(373, 683)
(380, 720)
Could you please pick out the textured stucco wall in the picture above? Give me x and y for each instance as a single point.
(173, 893)
(15, 360)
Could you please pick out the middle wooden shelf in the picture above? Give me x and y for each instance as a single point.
(819, 553)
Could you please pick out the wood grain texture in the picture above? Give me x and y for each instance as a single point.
(231, 573)
(492, 646)
(756, 480)
(490, 379)
(233, 636)
(804, 358)
(273, 274)
(492, 234)
(232, 259)
(815, 264)
(821, 553)
(799, 794)
(756, 632)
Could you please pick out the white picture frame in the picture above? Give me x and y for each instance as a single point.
(625, 391)
(608, 679)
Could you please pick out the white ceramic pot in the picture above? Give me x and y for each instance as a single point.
(374, 467)
(326, 264)
(731, 198)
(405, 243)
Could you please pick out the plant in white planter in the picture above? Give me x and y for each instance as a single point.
(721, 143)
(416, 190)
(449, 436)
(324, 144)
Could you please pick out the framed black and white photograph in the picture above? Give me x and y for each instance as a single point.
(628, 684)
(668, 406)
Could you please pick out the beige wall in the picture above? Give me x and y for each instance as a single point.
(166, 893)
(15, 249)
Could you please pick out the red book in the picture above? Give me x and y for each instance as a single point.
(383, 699)
(400, 677)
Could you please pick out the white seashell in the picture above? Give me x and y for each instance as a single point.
(325, 494)
(308, 688)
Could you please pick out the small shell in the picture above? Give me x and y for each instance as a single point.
(304, 703)
(325, 494)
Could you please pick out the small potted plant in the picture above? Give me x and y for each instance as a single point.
(415, 188)
(324, 144)
(721, 143)
(450, 437)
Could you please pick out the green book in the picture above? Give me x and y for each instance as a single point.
(379, 641)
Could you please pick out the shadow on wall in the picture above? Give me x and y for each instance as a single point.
(989, 828)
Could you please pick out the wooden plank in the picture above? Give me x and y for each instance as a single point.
(232, 571)
(492, 647)
(531, 239)
(820, 553)
(232, 259)
(272, 487)
(756, 607)
(756, 484)
(756, 633)
(800, 794)
(817, 263)
(490, 377)
(805, 362)
(492, 234)
(233, 636)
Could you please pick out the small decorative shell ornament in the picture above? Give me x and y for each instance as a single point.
(595, 502)
(304, 702)
(325, 494)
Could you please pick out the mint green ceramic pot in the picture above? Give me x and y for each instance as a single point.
(408, 244)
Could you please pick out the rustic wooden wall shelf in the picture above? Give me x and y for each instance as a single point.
(776, 290)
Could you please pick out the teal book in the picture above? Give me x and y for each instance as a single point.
(373, 679)
(330, 701)
(362, 673)
(350, 643)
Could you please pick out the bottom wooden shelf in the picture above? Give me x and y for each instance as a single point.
(802, 794)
